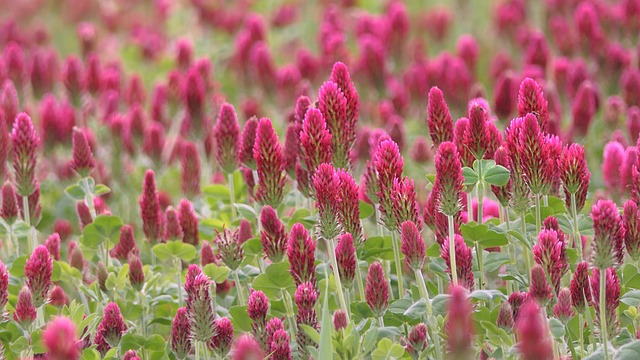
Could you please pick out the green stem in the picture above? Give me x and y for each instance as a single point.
(525, 253)
(381, 321)
(288, 306)
(479, 254)
(196, 346)
(179, 278)
(232, 195)
(27, 220)
(603, 315)
(589, 321)
(396, 255)
(452, 251)
(538, 220)
(378, 222)
(336, 275)
(238, 287)
(576, 227)
(510, 250)
(422, 287)
(359, 279)
(581, 334)
(480, 193)
(469, 206)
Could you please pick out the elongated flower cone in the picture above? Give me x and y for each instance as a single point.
(417, 340)
(608, 240)
(150, 211)
(83, 162)
(459, 326)
(190, 166)
(172, 229)
(279, 347)
(269, 164)
(611, 165)
(5, 146)
(346, 258)
(9, 102)
(273, 234)
(229, 248)
(533, 334)
(223, 339)
(340, 75)
(439, 118)
(326, 184)
(25, 311)
(247, 141)
(505, 95)
(305, 298)
(404, 202)
(58, 297)
(531, 100)
(226, 133)
(273, 325)
(206, 254)
(612, 298)
(449, 179)
(181, 334)
(505, 317)
(536, 163)
(25, 141)
(315, 140)
(539, 287)
(475, 137)
(292, 148)
(549, 252)
(245, 231)
(340, 320)
(377, 290)
(562, 310)
(257, 308)
(200, 308)
(503, 193)
(247, 347)
(4, 287)
(136, 273)
(461, 126)
(520, 192)
(631, 222)
(61, 340)
(303, 104)
(574, 174)
(126, 245)
(130, 355)
(584, 108)
(412, 245)
(38, 271)
(193, 95)
(580, 291)
(389, 164)
(9, 211)
(333, 105)
(349, 206)
(464, 261)
(188, 223)
(301, 254)
(153, 142)
(369, 183)
(112, 326)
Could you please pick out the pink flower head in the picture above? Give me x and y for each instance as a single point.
(389, 164)
(536, 163)
(633, 123)
(38, 271)
(562, 310)
(273, 235)
(53, 246)
(340, 75)
(274, 324)
(193, 94)
(9, 211)
(612, 161)
(153, 142)
(206, 254)
(315, 141)
(269, 163)
(333, 105)
(291, 148)
(61, 340)
(25, 311)
(630, 84)
(73, 78)
(190, 164)
(226, 133)
(25, 141)
(188, 223)
(246, 347)
(584, 107)
(539, 288)
(83, 162)
(346, 258)
(417, 339)
(152, 217)
(245, 231)
(257, 308)
(181, 334)
(574, 174)
(136, 273)
(130, 355)
(612, 298)
(5, 145)
(631, 222)
(464, 261)
(468, 51)
(531, 100)
(326, 184)
(505, 95)
(580, 291)
(377, 290)
(301, 254)
(199, 306)
(439, 118)
(459, 326)
(247, 141)
(532, 332)
(404, 203)
(348, 206)
(173, 229)
(549, 252)
(305, 298)
(112, 326)
(58, 297)
(505, 317)
(279, 347)
(229, 248)
(608, 239)
(4, 287)
(223, 339)
(412, 245)
(126, 245)
(475, 135)
(303, 104)
(340, 320)
(421, 151)
(449, 179)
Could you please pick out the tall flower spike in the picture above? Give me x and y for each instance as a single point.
(61, 340)
(206, 254)
(301, 254)
(200, 308)
(417, 340)
(273, 235)
(340, 75)
(315, 141)
(520, 192)
(9, 212)
(459, 131)
(226, 133)
(574, 175)
(136, 273)
(346, 259)
(279, 347)
(549, 252)
(126, 245)
(112, 326)
(439, 118)
(291, 148)
(247, 347)
(531, 100)
(326, 184)
(5, 146)
(584, 107)
(190, 164)
(25, 313)
(172, 229)
(349, 206)
(83, 162)
(188, 223)
(377, 290)
(404, 202)
(4, 287)
(449, 179)
(475, 136)
(540, 288)
(303, 104)
(562, 310)
(535, 155)
(389, 164)
(631, 221)
(333, 105)
(38, 270)
(229, 248)
(533, 334)
(25, 141)
(464, 261)
(613, 157)
(181, 334)
(248, 139)
(222, 340)
(257, 308)
(412, 245)
(305, 298)
(580, 291)
(53, 246)
(270, 165)
(505, 317)
(151, 213)
(459, 326)
(612, 298)
(608, 239)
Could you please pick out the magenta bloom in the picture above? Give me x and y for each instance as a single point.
(531, 100)
(226, 133)
(58, 297)
(61, 340)
(315, 141)
(136, 273)
(9, 211)
(449, 179)
(536, 162)
(247, 141)
(464, 261)
(25, 141)
(25, 312)
(505, 317)
(608, 240)
(412, 245)
(273, 235)
(574, 174)
(246, 347)
(459, 326)
(181, 334)
(377, 290)
(152, 217)
(172, 228)
(327, 184)
(340, 320)
(349, 206)
(229, 248)
(417, 339)
(439, 118)
(346, 258)
(611, 167)
(580, 291)
(533, 334)
(223, 339)
(332, 103)
(612, 298)
(301, 254)
(631, 222)
(83, 162)
(584, 107)
(200, 307)
(292, 148)
(257, 307)
(550, 253)
(389, 164)
(190, 166)
(279, 347)
(562, 310)
(404, 203)
(475, 136)
(188, 223)
(112, 326)
(274, 324)
(305, 298)
(505, 94)
(340, 75)
(126, 245)
(4, 287)
(539, 288)
(38, 271)
(270, 164)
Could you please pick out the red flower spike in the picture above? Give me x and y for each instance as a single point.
(73, 78)
(25, 312)
(464, 261)
(173, 229)
(369, 183)
(84, 214)
(439, 118)
(315, 141)
(349, 206)
(188, 223)
(125, 246)
(193, 94)
(326, 184)
(631, 222)
(346, 259)
(505, 95)
(421, 151)
(505, 317)
(340, 320)
(459, 326)
(475, 137)
(389, 164)
(246, 347)
(9, 102)
(130, 355)
(5, 146)
(574, 174)
(611, 165)
(404, 203)
(549, 252)
(245, 231)
(58, 297)
(609, 232)
(38, 271)
(333, 105)
(280, 348)
(630, 84)
(60, 340)
(223, 339)
(257, 307)
(303, 104)
(534, 155)
(612, 298)
(531, 100)
(9, 211)
(305, 298)
(154, 141)
(584, 108)
(377, 290)
(181, 334)
(206, 254)
(533, 334)
(112, 326)
(301, 254)
(53, 246)
(4, 287)
(269, 164)
(190, 163)
(449, 179)
(273, 235)
(340, 75)
(152, 217)
(273, 325)
(229, 248)
(247, 141)
(25, 141)
(412, 245)
(562, 310)
(417, 340)
(580, 291)
(136, 274)
(200, 307)
(539, 287)
(83, 162)
(226, 133)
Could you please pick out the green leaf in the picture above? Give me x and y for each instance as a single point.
(416, 310)
(311, 332)
(482, 234)
(217, 192)
(17, 268)
(369, 340)
(240, 319)
(631, 298)
(103, 228)
(494, 260)
(325, 347)
(365, 209)
(377, 247)
(470, 176)
(486, 295)
(178, 249)
(246, 211)
(630, 351)
(216, 273)
(101, 189)
(497, 175)
(131, 341)
(557, 328)
(434, 250)
(90, 354)
(75, 191)
(298, 217)
(252, 247)
(386, 349)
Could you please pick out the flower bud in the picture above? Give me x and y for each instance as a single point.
(273, 235)
(412, 245)
(301, 254)
(377, 290)
(269, 163)
(25, 141)
(226, 133)
(61, 340)
(181, 334)
(25, 312)
(533, 334)
(459, 326)
(222, 340)
(38, 271)
(608, 240)
(188, 223)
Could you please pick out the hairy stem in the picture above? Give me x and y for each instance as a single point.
(396, 256)
(603, 315)
(452, 251)
(336, 275)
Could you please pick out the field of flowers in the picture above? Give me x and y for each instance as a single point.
(345, 179)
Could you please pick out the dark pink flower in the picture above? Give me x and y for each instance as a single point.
(188, 223)
(315, 141)
(200, 307)
(126, 245)
(172, 229)
(53, 246)
(229, 248)
(459, 326)
(206, 254)
(412, 245)
(631, 222)
(73, 78)
(608, 240)
(246, 347)
(404, 203)
(136, 274)
(4, 287)
(61, 340)
(245, 231)
(112, 326)
(505, 95)
(226, 133)
(83, 162)
(273, 235)
(25, 141)
(301, 254)
(327, 184)
(532, 332)
(464, 261)
(279, 347)
(152, 217)
(38, 272)
(562, 310)
(193, 94)
(439, 118)
(130, 355)
(574, 174)
(612, 161)
(421, 151)
(377, 290)
(349, 206)
(535, 160)
(274, 324)
(612, 298)
(181, 334)
(25, 312)
(190, 164)
(58, 297)
(584, 108)
(9, 211)
(549, 252)
(269, 163)
(475, 137)
(389, 164)
(449, 179)
(539, 287)
(346, 258)
(292, 148)
(153, 142)
(505, 317)
(247, 141)
(417, 339)
(223, 339)
(580, 291)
